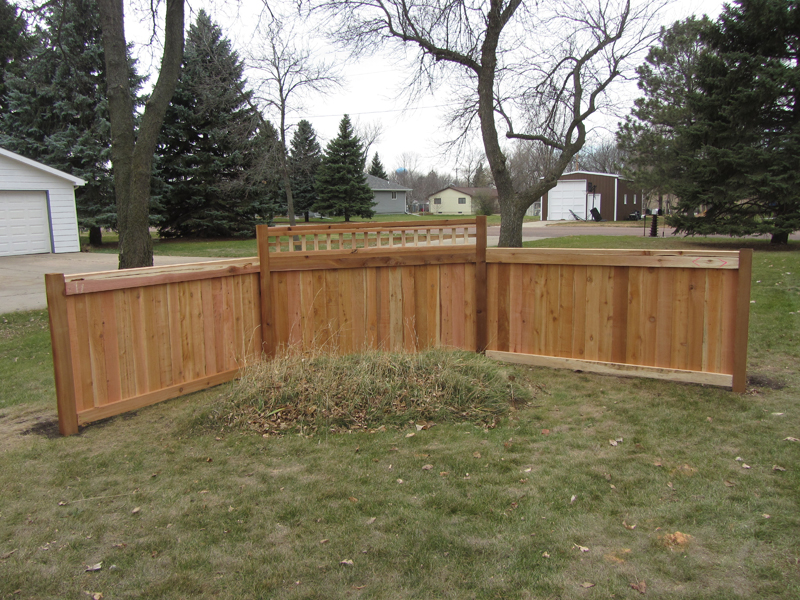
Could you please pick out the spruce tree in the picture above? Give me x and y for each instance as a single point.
(15, 45)
(305, 156)
(214, 146)
(341, 184)
(376, 168)
(739, 155)
(57, 109)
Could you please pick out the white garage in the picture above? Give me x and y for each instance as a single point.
(37, 207)
(565, 197)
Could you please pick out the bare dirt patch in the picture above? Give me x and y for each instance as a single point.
(18, 422)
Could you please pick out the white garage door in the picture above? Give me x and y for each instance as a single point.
(24, 227)
(567, 196)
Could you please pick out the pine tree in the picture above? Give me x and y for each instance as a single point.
(376, 168)
(341, 184)
(305, 156)
(739, 155)
(57, 110)
(213, 146)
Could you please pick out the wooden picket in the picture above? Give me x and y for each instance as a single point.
(125, 339)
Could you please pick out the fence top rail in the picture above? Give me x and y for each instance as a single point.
(371, 226)
(84, 283)
(698, 259)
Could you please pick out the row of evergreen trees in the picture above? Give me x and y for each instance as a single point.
(216, 169)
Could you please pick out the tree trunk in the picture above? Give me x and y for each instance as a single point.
(132, 154)
(307, 215)
(512, 214)
(95, 236)
(780, 238)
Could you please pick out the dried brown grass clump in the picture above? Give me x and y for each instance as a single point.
(366, 391)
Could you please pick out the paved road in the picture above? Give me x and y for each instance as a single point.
(22, 277)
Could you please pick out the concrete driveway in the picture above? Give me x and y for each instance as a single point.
(22, 277)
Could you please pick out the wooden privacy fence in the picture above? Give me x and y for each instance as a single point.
(126, 339)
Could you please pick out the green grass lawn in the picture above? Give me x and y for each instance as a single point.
(176, 502)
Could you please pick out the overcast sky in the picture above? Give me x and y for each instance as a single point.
(372, 91)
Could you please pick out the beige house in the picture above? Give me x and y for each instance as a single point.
(454, 200)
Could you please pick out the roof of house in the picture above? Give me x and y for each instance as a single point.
(376, 183)
(593, 173)
(37, 165)
(469, 191)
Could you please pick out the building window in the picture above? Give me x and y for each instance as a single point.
(437, 200)
(625, 199)
(634, 198)
(394, 195)
(462, 200)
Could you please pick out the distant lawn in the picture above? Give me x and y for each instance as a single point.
(235, 248)
(698, 497)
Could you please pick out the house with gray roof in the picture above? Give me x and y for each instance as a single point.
(390, 197)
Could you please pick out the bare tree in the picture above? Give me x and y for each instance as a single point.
(536, 71)
(369, 133)
(286, 72)
(131, 149)
(602, 157)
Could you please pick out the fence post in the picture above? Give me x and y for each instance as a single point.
(265, 279)
(62, 353)
(742, 320)
(481, 317)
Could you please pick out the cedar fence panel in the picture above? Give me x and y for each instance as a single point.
(125, 339)
(666, 314)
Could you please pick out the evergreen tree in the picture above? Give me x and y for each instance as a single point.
(376, 168)
(341, 184)
(648, 136)
(213, 145)
(15, 46)
(57, 110)
(305, 156)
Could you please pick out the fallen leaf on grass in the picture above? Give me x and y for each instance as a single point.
(410, 434)
(545, 432)
(777, 468)
(93, 568)
(136, 510)
(729, 483)
(656, 464)
(581, 548)
(676, 539)
(371, 520)
(528, 470)
(686, 470)
(640, 587)
(444, 473)
(7, 554)
(353, 499)
(94, 595)
(476, 455)
(791, 439)
(346, 562)
(587, 584)
(399, 481)
(325, 541)
(766, 516)
(738, 459)
(120, 545)
(612, 442)
(427, 467)
(62, 503)
(745, 466)
(626, 526)
(546, 554)
(571, 500)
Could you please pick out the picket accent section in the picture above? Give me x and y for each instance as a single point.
(353, 236)
(126, 339)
